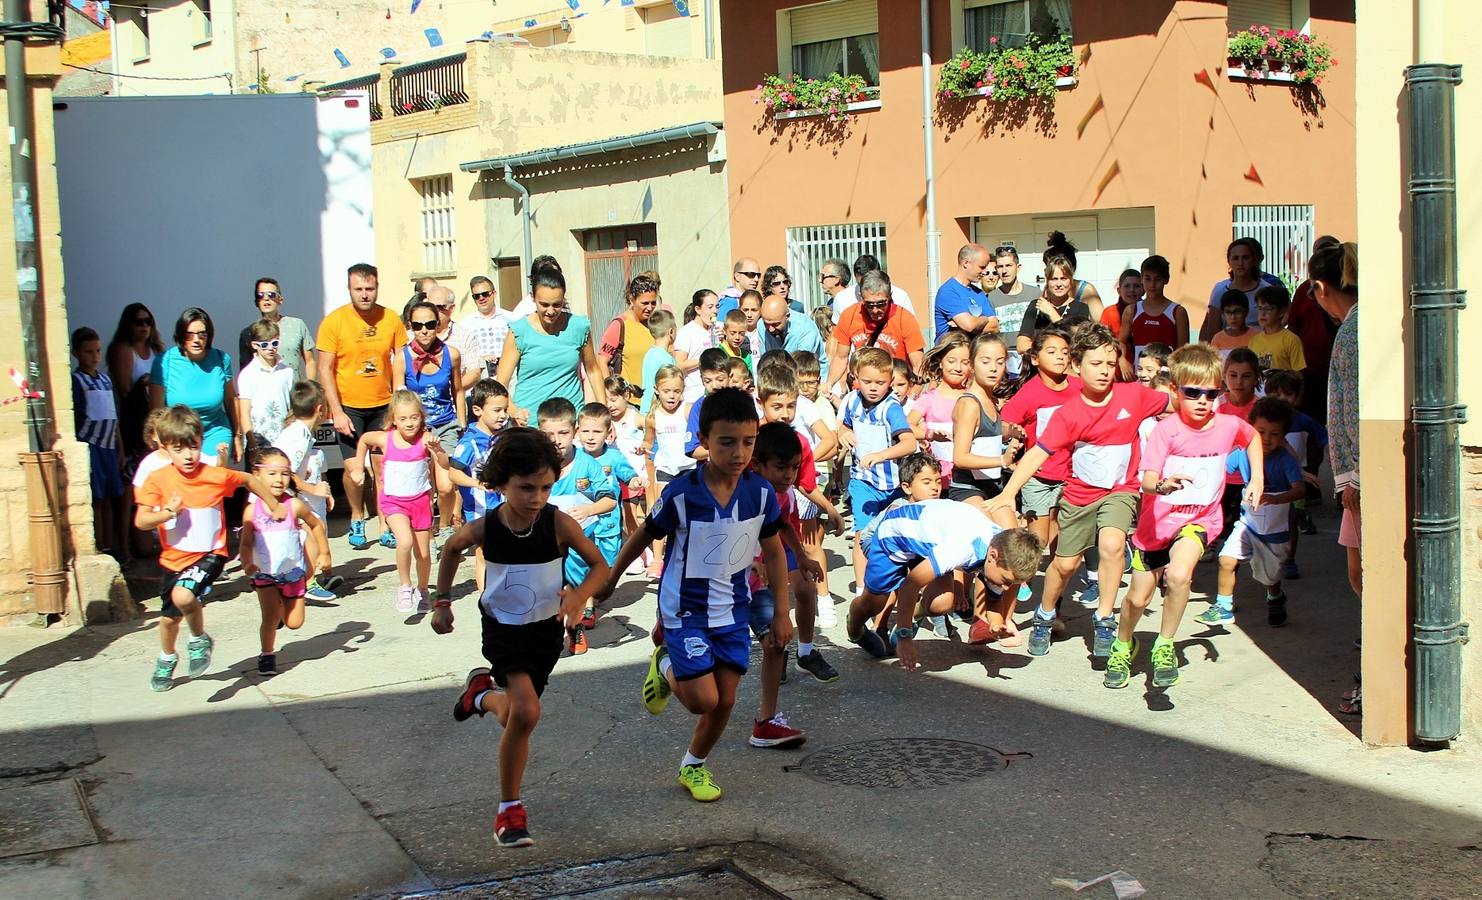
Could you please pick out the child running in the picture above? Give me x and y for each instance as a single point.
(1152, 361)
(183, 500)
(1242, 374)
(488, 404)
(272, 553)
(948, 369)
(627, 436)
(665, 436)
(593, 427)
(1043, 388)
(524, 608)
(412, 455)
(715, 518)
(1308, 441)
(873, 425)
(1182, 473)
(1261, 534)
(581, 491)
(307, 408)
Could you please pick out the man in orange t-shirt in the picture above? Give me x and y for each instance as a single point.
(875, 322)
(355, 346)
(183, 500)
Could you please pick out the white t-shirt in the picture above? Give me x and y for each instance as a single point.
(268, 390)
(297, 441)
(849, 296)
(149, 465)
(693, 339)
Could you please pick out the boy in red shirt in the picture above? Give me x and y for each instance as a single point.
(1099, 504)
(1183, 474)
(183, 500)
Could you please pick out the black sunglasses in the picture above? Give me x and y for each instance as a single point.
(1193, 393)
(479, 295)
(750, 274)
(267, 295)
(424, 326)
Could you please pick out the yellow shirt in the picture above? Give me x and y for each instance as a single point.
(1282, 350)
(362, 346)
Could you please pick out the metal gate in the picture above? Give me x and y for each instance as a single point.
(613, 257)
(809, 246)
(1285, 233)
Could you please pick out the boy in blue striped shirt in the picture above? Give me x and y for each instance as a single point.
(96, 418)
(873, 424)
(713, 519)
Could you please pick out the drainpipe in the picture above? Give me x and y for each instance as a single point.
(43, 496)
(1437, 630)
(710, 29)
(933, 237)
(509, 179)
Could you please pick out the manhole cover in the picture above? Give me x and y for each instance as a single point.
(904, 763)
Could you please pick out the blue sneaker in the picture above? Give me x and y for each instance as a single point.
(1215, 615)
(388, 540)
(1091, 596)
(1026, 593)
(1039, 635)
(356, 538)
(1105, 635)
(316, 591)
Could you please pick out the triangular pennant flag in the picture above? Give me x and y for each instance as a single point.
(1097, 106)
(1252, 175)
(1111, 173)
(1202, 77)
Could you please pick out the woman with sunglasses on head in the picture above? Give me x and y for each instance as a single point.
(776, 281)
(295, 341)
(195, 374)
(131, 354)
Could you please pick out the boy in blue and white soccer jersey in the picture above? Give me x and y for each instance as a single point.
(593, 425)
(916, 550)
(713, 520)
(873, 423)
(489, 402)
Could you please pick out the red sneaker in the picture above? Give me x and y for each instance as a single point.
(589, 618)
(510, 828)
(478, 682)
(578, 640)
(979, 633)
(776, 734)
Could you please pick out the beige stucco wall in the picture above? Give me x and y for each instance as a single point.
(176, 50)
(43, 67)
(1386, 45)
(524, 99)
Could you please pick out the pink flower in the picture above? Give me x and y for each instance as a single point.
(979, 84)
(992, 40)
(1265, 31)
(1271, 42)
(965, 64)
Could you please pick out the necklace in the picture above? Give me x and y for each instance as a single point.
(517, 534)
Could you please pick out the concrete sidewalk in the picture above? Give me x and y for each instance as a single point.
(986, 774)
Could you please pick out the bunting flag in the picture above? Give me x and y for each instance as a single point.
(682, 7)
(340, 55)
(574, 4)
(1202, 77)
(1252, 175)
(1111, 174)
(1097, 106)
(433, 38)
(415, 4)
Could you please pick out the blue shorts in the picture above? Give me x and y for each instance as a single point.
(763, 608)
(106, 478)
(867, 502)
(697, 651)
(883, 575)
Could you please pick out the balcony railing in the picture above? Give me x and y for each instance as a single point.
(428, 85)
(371, 84)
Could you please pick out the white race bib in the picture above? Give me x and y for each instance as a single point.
(1270, 518)
(522, 593)
(100, 406)
(1208, 474)
(285, 551)
(1042, 418)
(567, 502)
(870, 438)
(991, 445)
(1101, 467)
(405, 478)
(195, 530)
(721, 549)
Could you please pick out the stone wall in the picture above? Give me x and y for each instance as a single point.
(1471, 592)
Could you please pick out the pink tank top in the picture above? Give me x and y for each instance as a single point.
(276, 547)
(936, 414)
(404, 473)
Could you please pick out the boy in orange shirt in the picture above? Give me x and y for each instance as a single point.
(183, 500)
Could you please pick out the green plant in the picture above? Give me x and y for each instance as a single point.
(1260, 47)
(1010, 73)
(830, 96)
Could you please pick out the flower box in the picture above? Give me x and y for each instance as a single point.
(834, 97)
(1061, 82)
(1279, 56)
(853, 107)
(1038, 69)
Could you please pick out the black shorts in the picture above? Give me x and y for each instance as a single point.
(362, 420)
(964, 492)
(196, 578)
(532, 649)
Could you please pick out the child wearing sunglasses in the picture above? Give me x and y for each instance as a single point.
(264, 386)
(1183, 478)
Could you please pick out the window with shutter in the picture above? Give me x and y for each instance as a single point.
(842, 37)
(1274, 13)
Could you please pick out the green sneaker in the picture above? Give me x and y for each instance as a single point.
(1165, 665)
(1215, 615)
(1119, 664)
(656, 689)
(700, 783)
(164, 670)
(198, 652)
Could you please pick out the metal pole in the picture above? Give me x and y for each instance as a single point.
(509, 179)
(23, 209)
(933, 237)
(710, 29)
(1438, 630)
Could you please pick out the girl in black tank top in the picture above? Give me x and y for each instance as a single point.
(978, 452)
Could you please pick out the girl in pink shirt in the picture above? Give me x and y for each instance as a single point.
(947, 368)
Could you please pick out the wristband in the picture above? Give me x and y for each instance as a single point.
(442, 603)
(902, 631)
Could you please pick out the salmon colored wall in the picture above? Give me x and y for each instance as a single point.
(1176, 144)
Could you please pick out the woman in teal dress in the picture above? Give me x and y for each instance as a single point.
(546, 352)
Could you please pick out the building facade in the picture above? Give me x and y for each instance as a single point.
(1150, 142)
(619, 153)
(231, 46)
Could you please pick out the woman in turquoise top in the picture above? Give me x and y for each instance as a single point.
(545, 351)
(195, 374)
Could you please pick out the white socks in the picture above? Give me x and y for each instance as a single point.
(804, 649)
(665, 665)
(691, 759)
(506, 804)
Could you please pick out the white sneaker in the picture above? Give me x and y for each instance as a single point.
(406, 600)
(826, 618)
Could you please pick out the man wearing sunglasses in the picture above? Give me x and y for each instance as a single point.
(746, 275)
(481, 335)
(295, 342)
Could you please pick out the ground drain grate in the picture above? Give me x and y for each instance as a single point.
(904, 763)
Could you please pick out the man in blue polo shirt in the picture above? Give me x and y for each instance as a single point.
(960, 303)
